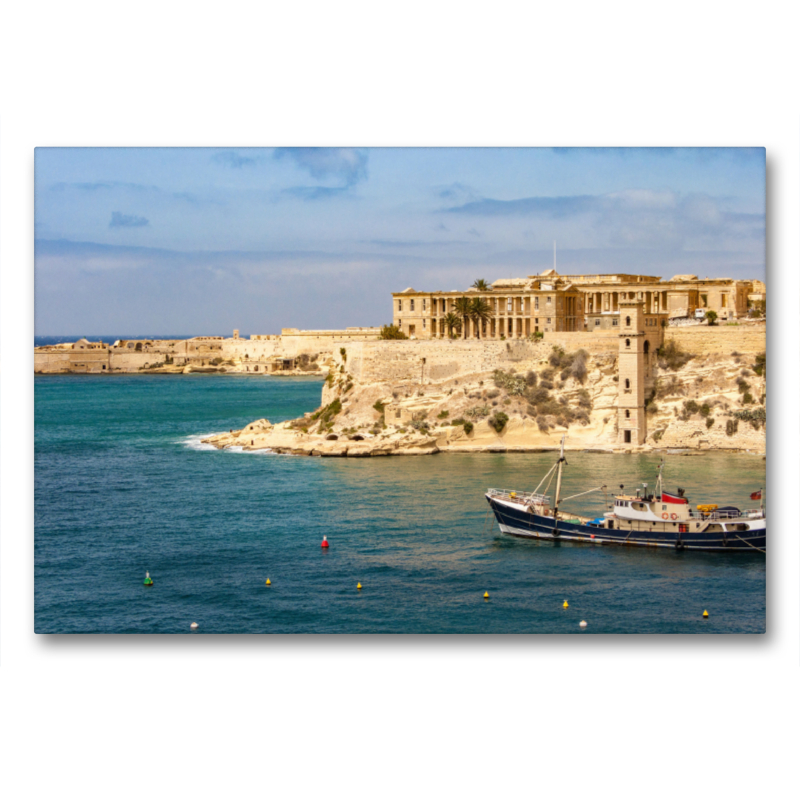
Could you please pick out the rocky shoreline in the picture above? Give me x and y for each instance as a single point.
(708, 403)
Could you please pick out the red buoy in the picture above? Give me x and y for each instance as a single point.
(324, 541)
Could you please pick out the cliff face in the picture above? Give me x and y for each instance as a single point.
(712, 401)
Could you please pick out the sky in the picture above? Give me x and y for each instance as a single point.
(190, 241)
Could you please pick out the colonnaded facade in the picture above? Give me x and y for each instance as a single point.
(549, 302)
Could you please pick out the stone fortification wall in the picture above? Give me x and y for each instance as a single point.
(596, 342)
(720, 339)
(433, 360)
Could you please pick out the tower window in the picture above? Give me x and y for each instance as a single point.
(627, 343)
(628, 321)
(627, 383)
(627, 413)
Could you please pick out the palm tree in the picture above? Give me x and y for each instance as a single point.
(452, 322)
(479, 312)
(481, 285)
(463, 308)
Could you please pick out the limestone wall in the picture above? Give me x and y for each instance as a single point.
(720, 339)
(596, 342)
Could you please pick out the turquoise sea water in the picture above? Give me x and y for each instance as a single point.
(123, 486)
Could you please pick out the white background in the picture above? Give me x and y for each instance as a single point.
(464, 716)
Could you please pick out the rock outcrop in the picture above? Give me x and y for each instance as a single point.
(711, 402)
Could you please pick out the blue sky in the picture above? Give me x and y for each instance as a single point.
(186, 241)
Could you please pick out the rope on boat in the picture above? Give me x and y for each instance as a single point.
(572, 497)
(750, 545)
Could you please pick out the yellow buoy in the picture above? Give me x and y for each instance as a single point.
(705, 615)
(359, 586)
(269, 582)
(486, 595)
(566, 604)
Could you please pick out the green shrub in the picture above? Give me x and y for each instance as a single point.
(391, 332)
(530, 378)
(468, 427)
(731, 426)
(747, 399)
(459, 421)
(443, 414)
(379, 406)
(498, 421)
(760, 366)
(671, 357)
(478, 411)
(709, 422)
(705, 410)
(513, 384)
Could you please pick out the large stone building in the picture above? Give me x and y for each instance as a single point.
(549, 302)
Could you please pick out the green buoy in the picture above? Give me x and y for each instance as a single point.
(148, 581)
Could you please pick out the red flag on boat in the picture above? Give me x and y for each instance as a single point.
(666, 497)
(756, 495)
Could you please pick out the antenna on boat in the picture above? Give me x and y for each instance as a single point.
(561, 462)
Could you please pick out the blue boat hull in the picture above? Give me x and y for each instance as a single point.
(521, 522)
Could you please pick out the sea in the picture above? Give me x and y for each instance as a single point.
(124, 486)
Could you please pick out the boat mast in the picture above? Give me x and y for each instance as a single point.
(561, 462)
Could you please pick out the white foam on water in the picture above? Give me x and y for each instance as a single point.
(195, 442)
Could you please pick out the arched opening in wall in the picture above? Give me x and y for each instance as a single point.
(628, 321)
(138, 347)
(627, 437)
(627, 343)
(627, 413)
(646, 347)
(627, 383)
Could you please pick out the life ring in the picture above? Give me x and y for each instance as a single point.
(665, 515)
(674, 516)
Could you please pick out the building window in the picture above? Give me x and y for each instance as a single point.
(597, 322)
(536, 321)
(627, 343)
(508, 305)
(549, 319)
(399, 305)
(627, 414)
(627, 383)
(423, 303)
(615, 322)
(628, 321)
(412, 305)
(549, 300)
(424, 324)
(535, 303)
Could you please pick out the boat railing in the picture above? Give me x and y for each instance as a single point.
(528, 498)
(755, 513)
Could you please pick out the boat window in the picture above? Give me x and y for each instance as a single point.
(714, 528)
(738, 527)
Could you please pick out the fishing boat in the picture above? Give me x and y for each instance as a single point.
(657, 519)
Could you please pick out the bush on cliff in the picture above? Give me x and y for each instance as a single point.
(468, 427)
(391, 332)
(513, 384)
(760, 366)
(671, 357)
(498, 421)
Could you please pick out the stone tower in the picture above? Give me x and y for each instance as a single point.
(632, 420)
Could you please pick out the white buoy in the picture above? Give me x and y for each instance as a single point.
(583, 623)
(193, 625)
